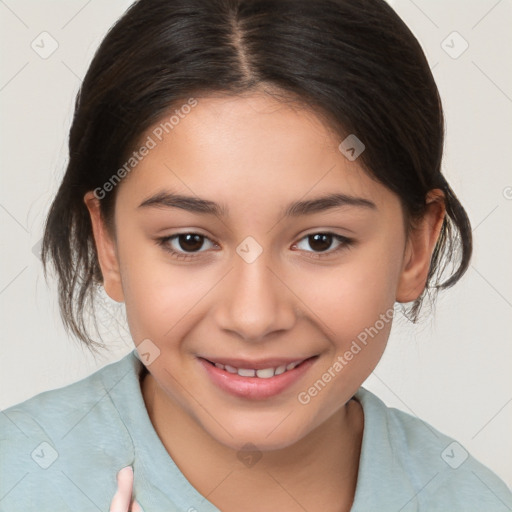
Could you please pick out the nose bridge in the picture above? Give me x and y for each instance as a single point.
(254, 302)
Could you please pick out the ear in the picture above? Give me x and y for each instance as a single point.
(106, 250)
(420, 245)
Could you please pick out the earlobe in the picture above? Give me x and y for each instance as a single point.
(422, 239)
(106, 250)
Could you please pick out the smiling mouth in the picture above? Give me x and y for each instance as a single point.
(260, 373)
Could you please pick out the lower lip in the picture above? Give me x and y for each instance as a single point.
(254, 387)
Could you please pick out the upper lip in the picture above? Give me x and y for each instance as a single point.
(259, 364)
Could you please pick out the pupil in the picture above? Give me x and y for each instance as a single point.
(320, 241)
(192, 242)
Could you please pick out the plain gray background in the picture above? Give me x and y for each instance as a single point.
(452, 370)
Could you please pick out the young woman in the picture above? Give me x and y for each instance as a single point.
(259, 182)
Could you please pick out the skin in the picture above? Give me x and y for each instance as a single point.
(254, 156)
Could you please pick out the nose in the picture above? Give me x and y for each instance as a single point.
(254, 301)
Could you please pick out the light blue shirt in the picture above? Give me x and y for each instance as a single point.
(61, 450)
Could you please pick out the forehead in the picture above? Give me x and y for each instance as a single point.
(250, 148)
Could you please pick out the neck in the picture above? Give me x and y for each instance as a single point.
(319, 472)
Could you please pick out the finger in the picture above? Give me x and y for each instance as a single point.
(136, 507)
(123, 497)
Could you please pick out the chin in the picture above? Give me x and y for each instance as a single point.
(263, 434)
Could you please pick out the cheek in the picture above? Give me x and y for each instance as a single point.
(351, 296)
(353, 304)
(157, 293)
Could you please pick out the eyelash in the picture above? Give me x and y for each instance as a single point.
(345, 243)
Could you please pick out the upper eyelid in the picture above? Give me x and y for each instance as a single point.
(176, 235)
(341, 239)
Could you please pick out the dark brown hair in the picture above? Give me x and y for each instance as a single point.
(355, 61)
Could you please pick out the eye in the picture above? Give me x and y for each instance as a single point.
(184, 245)
(321, 243)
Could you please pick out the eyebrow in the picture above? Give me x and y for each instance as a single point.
(203, 206)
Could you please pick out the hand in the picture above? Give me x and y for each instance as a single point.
(122, 500)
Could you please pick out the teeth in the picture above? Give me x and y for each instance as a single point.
(245, 372)
(280, 369)
(264, 373)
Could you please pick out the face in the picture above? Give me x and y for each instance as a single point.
(259, 268)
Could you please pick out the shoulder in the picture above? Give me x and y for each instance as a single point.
(50, 442)
(423, 468)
